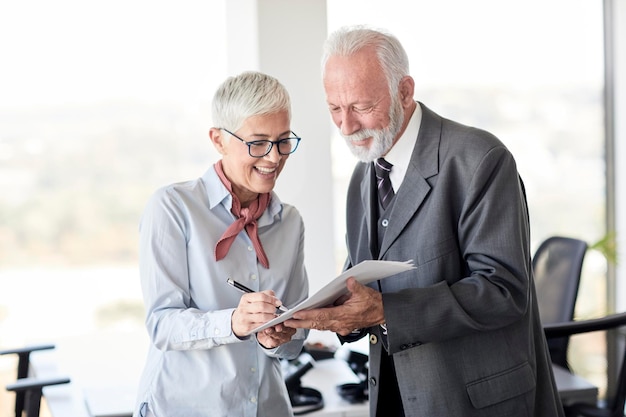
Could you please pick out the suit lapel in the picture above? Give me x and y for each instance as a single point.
(415, 187)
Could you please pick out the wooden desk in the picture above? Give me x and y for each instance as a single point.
(573, 388)
(107, 361)
(112, 362)
(324, 377)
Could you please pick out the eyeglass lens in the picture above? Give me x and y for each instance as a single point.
(263, 147)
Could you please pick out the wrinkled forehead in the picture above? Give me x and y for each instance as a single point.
(354, 79)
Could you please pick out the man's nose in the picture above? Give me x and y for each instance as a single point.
(349, 123)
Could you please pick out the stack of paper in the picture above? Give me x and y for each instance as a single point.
(365, 272)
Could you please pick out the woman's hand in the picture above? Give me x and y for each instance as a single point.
(255, 309)
(275, 336)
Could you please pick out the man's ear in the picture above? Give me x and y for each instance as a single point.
(406, 90)
(217, 138)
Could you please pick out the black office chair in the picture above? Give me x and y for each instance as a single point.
(28, 391)
(557, 266)
(614, 407)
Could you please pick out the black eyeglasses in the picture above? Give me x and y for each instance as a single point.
(260, 148)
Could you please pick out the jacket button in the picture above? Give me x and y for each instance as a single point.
(373, 339)
(373, 381)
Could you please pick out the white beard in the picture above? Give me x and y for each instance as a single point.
(382, 139)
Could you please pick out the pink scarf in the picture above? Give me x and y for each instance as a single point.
(246, 218)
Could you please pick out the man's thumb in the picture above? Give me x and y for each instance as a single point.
(353, 285)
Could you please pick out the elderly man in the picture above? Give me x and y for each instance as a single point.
(460, 335)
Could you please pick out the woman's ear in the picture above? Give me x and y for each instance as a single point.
(218, 140)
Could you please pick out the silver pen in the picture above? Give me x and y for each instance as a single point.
(243, 288)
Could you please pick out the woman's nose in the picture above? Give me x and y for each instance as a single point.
(273, 155)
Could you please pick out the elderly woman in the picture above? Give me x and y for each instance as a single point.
(227, 224)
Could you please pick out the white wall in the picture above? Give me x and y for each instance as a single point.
(262, 35)
(619, 48)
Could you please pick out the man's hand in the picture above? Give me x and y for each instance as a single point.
(362, 307)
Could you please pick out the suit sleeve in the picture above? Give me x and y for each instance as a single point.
(480, 280)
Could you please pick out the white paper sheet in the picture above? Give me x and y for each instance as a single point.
(365, 272)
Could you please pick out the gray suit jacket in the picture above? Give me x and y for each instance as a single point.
(463, 327)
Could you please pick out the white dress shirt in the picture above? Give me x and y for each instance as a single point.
(196, 366)
(400, 154)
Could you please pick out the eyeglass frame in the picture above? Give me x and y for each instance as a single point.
(270, 142)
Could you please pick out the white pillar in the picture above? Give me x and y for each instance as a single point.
(615, 18)
(284, 38)
(619, 91)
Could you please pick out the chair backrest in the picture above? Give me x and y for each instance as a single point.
(557, 266)
(23, 366)
(614, 407)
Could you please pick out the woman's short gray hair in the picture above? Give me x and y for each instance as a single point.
(349, 40)
(245, 95)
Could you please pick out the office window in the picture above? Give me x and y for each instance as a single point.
(100, 104)
(531, 72)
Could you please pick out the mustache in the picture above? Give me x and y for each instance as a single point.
(360, 135)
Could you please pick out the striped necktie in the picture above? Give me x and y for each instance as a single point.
(385, 189)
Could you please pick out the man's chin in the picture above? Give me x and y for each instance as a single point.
(362, 153)
(369, 149)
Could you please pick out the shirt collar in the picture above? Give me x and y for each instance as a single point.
(218, 194)
(400, 153)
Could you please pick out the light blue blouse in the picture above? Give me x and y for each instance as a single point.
(196, 366)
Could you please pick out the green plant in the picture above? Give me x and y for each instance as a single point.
(607, 246)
